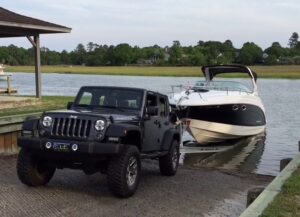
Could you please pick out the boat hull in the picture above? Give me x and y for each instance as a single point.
(240, 114)
(217, 123)
(205, 132)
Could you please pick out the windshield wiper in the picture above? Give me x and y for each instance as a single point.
(81, 105)
(110, 106)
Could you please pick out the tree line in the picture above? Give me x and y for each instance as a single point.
(203, 53)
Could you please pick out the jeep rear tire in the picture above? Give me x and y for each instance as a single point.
(123, 173)
(32, 172)
(168, 164)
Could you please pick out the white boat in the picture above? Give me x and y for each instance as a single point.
(216, 110)
(3, 75)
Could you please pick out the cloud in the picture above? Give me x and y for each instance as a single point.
(143, 23)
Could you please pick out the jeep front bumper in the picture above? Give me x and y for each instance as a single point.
(87, 147)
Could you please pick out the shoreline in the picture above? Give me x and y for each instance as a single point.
(272, 72)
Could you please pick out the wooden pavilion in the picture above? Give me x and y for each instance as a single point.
(16, 25)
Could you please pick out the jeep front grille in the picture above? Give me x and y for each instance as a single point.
(71, 127)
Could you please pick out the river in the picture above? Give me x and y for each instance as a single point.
(281, 98)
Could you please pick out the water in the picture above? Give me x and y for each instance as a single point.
(281, 98)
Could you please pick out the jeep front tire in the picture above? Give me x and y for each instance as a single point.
(123, 173)
(168, 163)
(32, 172)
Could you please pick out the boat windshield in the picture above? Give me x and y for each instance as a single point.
(222, 85)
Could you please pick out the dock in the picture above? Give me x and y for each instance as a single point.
(8, 90)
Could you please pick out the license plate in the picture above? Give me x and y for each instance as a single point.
(60, 146)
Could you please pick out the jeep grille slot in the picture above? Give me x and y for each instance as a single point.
(71, 127)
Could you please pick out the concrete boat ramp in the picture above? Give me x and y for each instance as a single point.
(192, 192)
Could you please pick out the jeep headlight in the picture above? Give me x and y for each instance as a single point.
(99, 125)
(47, 121)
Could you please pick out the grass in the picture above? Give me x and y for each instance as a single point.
(287, 202)
(283, 71)
(114, 70)
(32, 105)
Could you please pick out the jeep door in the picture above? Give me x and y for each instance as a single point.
(164, 122)
(151, 140)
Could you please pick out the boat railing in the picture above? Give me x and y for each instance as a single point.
(227, 89)
(188, 89)
(181, 87)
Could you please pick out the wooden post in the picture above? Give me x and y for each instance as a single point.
(284, 163)
(8, 85)
(253, 194)
(38, 79)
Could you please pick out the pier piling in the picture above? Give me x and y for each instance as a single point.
(284, 163)
(253, 194)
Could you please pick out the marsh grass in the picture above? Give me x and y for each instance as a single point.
(287, 202)
(31, 106)
(283, 71)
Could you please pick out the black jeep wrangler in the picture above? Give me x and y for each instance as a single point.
(106, 129)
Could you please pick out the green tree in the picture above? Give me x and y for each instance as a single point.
(296, 60)
(175, 53)
(78, 56)
(293, 41)
(250, 54)
(65, 57)
(276, 50)
(17, 56)
(3, 55)
(122, 54)
(90, 47)
(197, 57)
(271, 60)
(228, 43)
(228, 53)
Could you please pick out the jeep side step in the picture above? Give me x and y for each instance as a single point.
(153, 154)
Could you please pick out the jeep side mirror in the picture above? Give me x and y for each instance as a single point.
(152, 111)
(69, 105)
(173, 117)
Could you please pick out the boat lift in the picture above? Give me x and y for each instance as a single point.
(192, 147)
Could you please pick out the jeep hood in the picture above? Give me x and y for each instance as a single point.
(117, 116)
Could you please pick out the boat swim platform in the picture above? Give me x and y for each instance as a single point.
(194, 148)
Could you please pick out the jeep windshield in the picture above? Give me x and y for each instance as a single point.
(109, 97)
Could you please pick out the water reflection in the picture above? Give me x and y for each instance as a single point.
(244, 155)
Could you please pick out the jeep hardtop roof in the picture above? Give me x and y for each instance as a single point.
(114, 87)
(125, 88)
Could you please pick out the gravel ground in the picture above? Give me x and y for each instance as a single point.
(192, 192)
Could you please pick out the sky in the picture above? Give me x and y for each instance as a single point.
(149, 22)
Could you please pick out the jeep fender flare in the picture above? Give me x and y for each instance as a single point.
(169, 136)
(130, 134)
(121, 130)
(30, 124)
